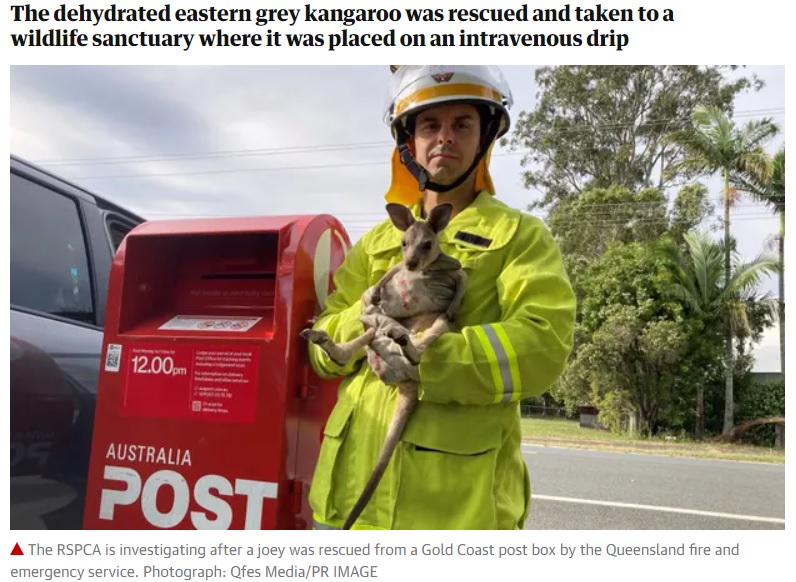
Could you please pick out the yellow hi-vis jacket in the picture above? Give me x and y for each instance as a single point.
(459, 464)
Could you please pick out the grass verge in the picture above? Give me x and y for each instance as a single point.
(568, 433)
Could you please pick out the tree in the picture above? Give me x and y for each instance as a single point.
(690, 208)
(715, 144)
(772, 192)
(601, 217)
(626, 333)
(722, 303)
(631, 367)
(599, 126)
(605, 236)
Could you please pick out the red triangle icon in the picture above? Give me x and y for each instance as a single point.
(17, 551)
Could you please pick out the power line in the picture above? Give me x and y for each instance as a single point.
(737, 209)
(597, 220)
(176, 157)
(633, 222)
(675, 121)
(366, 225)
(257, 170)
(220, 154)
(237, 171)
(754, 207)
(651, 203)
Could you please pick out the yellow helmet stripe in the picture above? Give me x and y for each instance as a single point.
(463, 90)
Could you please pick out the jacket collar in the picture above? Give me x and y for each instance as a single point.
(487, 224)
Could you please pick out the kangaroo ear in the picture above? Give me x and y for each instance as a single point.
(401, 216)
(439, 217)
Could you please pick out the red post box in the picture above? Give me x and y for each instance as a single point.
(208, 415)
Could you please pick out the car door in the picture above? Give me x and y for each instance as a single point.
(56, 341)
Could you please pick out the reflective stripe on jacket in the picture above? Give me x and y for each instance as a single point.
(459, 464)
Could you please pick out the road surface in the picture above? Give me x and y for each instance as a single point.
(586, 489)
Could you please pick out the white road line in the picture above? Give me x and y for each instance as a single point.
(659, 508)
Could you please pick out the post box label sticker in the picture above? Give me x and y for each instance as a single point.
(209, 323)
(113, 357)
(185, 381)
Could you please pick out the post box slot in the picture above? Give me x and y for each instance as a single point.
(190, 275)
(239, 276)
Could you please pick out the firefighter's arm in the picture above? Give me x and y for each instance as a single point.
(522, 354)
(340, 317)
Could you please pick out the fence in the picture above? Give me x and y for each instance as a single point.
(532, 411)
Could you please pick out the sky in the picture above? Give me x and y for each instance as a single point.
(180, 142)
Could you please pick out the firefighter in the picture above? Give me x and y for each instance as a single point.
(459, 465)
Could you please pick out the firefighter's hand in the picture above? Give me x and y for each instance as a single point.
(388, 327)
(385, 326)
(388, 362)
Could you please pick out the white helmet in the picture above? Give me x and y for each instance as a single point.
(413, 88)
(417, 87)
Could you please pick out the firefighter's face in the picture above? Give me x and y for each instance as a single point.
(446, 140)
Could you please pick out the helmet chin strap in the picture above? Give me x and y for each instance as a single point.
(424, 181)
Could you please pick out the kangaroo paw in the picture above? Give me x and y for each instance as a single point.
(322, 339)
(316, 337)
(413, 351)
(399, 336)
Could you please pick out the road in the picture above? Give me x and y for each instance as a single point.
(584, 489)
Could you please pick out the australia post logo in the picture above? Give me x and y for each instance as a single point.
(167, 497)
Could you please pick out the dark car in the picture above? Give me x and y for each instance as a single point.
(62, 243)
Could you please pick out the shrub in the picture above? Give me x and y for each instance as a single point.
(760, 400)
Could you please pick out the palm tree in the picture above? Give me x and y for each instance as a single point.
(720, 302)
(772, 192)
(713, 144)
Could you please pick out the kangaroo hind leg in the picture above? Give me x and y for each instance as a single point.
(341, 353)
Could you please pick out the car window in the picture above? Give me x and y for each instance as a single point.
(49, 264)
(117, 230)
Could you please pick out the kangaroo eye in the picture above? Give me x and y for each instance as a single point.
(403, 243)
(427, 245)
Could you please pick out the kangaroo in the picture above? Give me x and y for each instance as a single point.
(422, 293)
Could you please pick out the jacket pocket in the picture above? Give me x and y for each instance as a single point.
(447, 470)
(327, 493)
